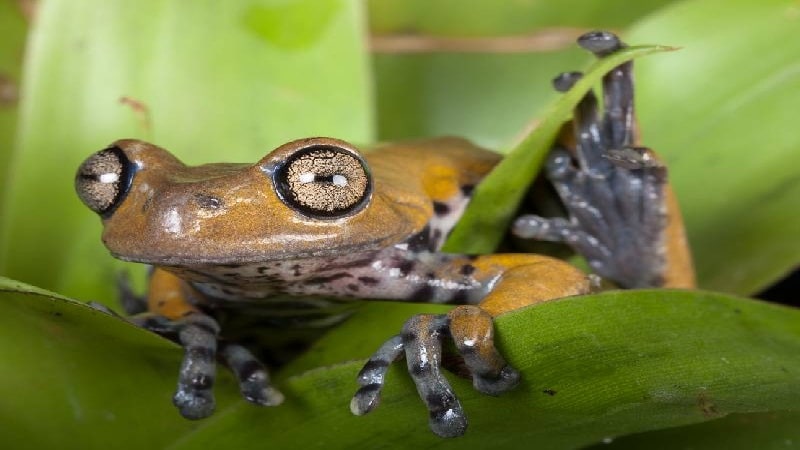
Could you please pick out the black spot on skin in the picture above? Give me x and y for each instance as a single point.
(405, 267)
(369, 281)
(146, 204)
(549, 392)
(467, 189)
(328, 279)
(369, 389)
(421, 369)
(408, 337)
(262, 269)
(438, 404)
(436, 236)
(204, 327)
(274, 280)
(422, 294)
(430, 275)
(459, 298)
(373, 365)
(421, 241)
(249, 368)
(353, 287)
(296, 270)
(467, 269)
(441, 209)
(206, 201)
(352, 264)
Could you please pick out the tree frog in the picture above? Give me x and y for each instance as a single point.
(316, 223)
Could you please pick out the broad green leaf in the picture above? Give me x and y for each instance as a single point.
(597, 366)
(488, 95)
(770, 430)
(723, 112)
(13, 26)
(77, 378)
(220, 82)
(498, 196)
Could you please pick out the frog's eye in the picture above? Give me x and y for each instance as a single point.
(103, 180)
(324, 181)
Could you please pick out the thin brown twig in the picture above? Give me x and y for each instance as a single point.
(544, 40)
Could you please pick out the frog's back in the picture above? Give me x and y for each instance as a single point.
(438, 167)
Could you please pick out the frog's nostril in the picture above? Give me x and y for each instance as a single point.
(208, 202)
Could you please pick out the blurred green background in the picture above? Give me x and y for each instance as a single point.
(232, 80)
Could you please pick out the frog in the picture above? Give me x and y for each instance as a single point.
(317, 224)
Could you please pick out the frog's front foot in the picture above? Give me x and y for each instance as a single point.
(198, 334)
(613, 191)
(472, 331)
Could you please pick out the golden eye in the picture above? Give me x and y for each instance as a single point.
(103, 180)
(324, 181)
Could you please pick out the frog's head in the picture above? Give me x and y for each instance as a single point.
(308, 198)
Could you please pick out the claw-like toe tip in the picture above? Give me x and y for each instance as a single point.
(565, 80)
(366, 399)
(601, 43)
(507, 380)
(360, 405)
(264, 396)
(529, 227)
(448, 423)
(194, 405)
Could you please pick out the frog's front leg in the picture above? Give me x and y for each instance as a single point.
(513, 281)
(623, 216)
(172, 315)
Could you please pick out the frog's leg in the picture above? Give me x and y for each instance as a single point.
(517, 280)
(253, 377)
(623, 217)
(171, 313)
(131, 302)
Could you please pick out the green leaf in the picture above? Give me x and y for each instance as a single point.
(215, 83)
(11, 50)
(498, 196)
(487, 94)
(723, 113)
(593, 367)
(70, 372)
(770, 430)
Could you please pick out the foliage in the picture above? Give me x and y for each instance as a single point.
(234, 79)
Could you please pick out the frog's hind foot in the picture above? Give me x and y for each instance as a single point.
(614, 192)
(421, 343)
(198, 334)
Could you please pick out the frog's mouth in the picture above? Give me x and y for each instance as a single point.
(208, 256)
